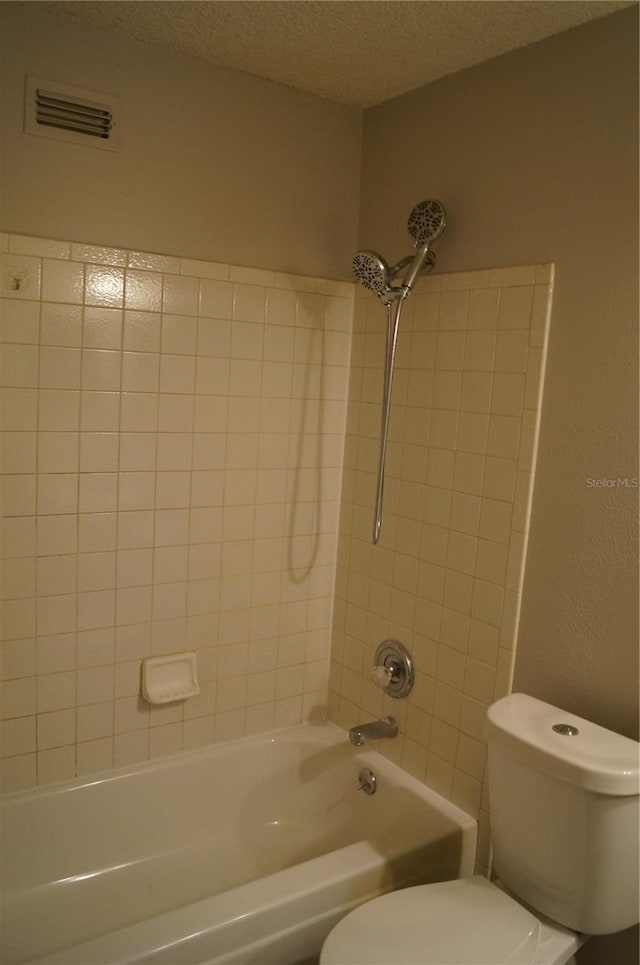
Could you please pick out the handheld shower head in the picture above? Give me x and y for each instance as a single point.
(426, 222)
(372, 271)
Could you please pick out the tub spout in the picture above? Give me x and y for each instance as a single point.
(387, 727)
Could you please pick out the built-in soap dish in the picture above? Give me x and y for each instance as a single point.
(170, 678)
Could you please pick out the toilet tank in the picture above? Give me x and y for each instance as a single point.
(564, 814)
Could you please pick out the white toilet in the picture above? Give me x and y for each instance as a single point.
(564, 817)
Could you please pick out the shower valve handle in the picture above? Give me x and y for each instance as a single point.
(392, 668)
(382, 675)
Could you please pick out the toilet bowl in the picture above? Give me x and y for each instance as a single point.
(467, 922)
(564, 796)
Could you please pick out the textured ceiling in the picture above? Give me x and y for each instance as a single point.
(357, 52)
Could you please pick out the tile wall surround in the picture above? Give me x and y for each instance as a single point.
(173, 437)
(446, 576)
(172, 453)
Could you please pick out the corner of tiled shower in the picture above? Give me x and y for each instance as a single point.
(173, 436)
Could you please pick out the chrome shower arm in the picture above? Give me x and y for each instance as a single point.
(395, 271)
(428, 266)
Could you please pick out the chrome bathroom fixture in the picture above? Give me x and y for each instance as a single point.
(387, 727)
(367, 781)
(393, 668)
(426, 223)
(372, 271)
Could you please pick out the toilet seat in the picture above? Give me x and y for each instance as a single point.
(464, 922)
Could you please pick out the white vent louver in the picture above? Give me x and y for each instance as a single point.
(81, 116)
(71, 114)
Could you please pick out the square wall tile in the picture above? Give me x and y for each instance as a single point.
(62, 281)
(102, 328)
(180, 295)
(143, 291)
(104, 285)
(19, 366)
(19, 321)
(24, 274)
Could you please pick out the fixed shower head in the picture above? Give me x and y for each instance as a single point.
(372, 271)
(426, 222)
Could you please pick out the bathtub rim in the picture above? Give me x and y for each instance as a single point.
(248, 901)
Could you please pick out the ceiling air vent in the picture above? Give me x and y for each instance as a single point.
(71, 114)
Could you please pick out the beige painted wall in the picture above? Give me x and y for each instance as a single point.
(215, 164)
(535, 154)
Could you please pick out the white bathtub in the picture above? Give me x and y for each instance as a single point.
(247, 852)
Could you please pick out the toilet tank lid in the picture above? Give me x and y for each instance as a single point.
(580, 752)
